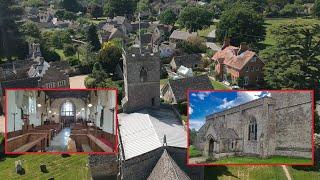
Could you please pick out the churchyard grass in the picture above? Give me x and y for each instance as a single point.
(193, 152)
(257, 160)
(73, 167)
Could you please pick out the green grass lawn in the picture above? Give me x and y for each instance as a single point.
(205, 32)
(193, 152)
(256, 160)
(244, 172)
(73, 167)
(218, 85)
(304, 173)
(270, 22)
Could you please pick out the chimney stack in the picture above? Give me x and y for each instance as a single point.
(226, 43)
(243, 47)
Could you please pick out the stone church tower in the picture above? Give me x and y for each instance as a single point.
(141, 72)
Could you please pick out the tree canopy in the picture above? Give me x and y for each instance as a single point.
(71, 5)
(110, 55)
(242, 24)
(168, 17)
(316, 8)
(92, 37)
(294, 61)
(120, 7)
(195, 18)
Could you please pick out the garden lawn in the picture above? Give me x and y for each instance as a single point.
(73, 167)
(205, 32)
(256, 160)
(244, 172)
(218, 85)
(193, 152)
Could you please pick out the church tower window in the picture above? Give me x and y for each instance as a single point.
(143, 74)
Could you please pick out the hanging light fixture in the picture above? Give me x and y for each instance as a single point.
(38, 105)
(89, 105)
(82, 109)
(49, 111)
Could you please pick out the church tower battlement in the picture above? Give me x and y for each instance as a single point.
(141, 72)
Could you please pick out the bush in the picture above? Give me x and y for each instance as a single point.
(69, 50)
(192, 45)
(73, 61)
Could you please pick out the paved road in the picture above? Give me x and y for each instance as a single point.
(77, 81)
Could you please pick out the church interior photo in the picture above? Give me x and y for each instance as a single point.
(63, 121)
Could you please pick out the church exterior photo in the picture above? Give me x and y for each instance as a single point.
(277, 124)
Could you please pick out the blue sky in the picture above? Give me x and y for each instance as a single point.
(204, 103)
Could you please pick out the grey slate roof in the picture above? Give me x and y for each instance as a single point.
(20, 83)
(179, 87)
(188, 60)
(181, 35)
(167, 168)
(226, 133)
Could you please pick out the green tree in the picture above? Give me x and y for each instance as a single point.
(69, 50)
(195, 18)
(31, 31)
(120, 7)
(110, 55)
(92, 37)
(143, 5)
(316, 8)
(71, 5)
(168, 17)
(96, 11)
(12, 43)
(193, 45)
(242, 24)
(294, 61)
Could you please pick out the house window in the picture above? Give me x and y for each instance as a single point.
(51, 85)
(252, 135)
(254, 59)
(143, 75)
(247, 69)
(246, 80)
(62, 83)
(102, 117)
(252, 68)
(257, 78)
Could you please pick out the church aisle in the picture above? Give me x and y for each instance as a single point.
(59, 143)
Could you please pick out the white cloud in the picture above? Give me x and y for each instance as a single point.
(201, 95)
(243, 97)
(190, 110)
(196, 123)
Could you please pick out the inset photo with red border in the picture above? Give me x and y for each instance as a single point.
(242, 127)
(61, 121)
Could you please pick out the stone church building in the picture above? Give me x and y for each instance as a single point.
(277, 125)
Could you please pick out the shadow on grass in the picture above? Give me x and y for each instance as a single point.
(214, 172)
(65, 155)
(307, 168)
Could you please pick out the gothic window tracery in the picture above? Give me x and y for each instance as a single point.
(252, 135)
(143, 75)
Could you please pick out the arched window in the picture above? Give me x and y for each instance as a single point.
(67, 109)
(143, 74)
(252, 129)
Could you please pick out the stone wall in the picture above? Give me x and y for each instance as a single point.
(103, 166)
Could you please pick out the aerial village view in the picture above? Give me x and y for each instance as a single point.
(159, 89)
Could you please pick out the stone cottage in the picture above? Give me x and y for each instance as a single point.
(277, 125)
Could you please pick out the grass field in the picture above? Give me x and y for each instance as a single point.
(304, 173)
(218, 85)
(269, 23)
(256, 160)
(244, 172)
(193, 152)
(73, 167)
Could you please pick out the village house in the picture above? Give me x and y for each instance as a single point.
(178, 36)
(192, 61)
(235, 63)
(279, 125)
(109, 32)
(175, 91)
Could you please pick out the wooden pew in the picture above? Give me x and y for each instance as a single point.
(27, 142)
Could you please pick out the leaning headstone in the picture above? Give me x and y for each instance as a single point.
(18, 166)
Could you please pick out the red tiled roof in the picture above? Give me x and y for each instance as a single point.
(229, 57)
